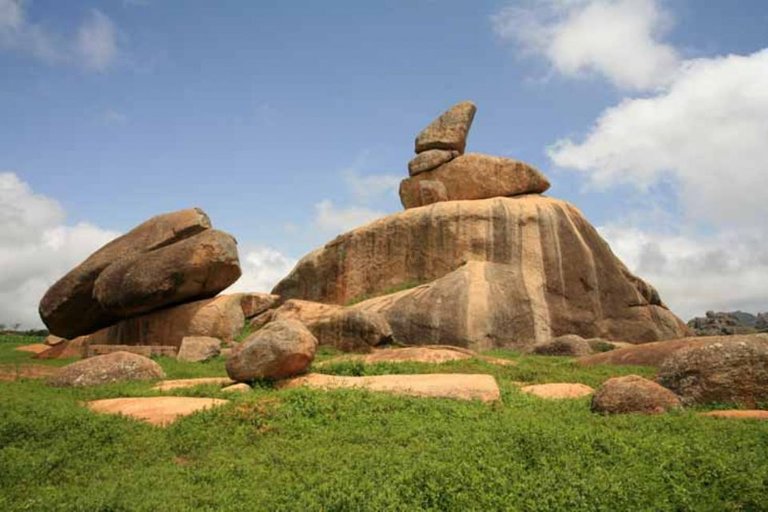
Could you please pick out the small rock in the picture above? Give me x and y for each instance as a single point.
(449, 131)
(633, 393)
(52, 340)
(558, 390)
(429, 160)
(115, 367)
(195, 349)
(66, 350)
(280, 349)
(240, 387)
(567, 345)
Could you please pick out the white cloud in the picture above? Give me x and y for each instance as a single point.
(613, 38)
(707, 133)
(365, 187)
(96, 41)
(36, 248)
(113, 117)
(262, 268)
(94, 46)
(332, 219)
(721, 272)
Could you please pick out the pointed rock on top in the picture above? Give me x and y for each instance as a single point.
(449, 131)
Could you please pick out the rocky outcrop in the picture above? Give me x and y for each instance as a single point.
(429, 160)
(719, 372)
(169, 259)
(566, 345)
(281, 349)
(473, 176)
(69, 308)
(524, 270)
(717, 324)
(115, 367)
(449, 131)
(633, 393)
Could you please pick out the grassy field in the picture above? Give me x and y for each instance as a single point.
(352, 450)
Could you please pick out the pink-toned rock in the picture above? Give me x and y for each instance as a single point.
(281, 349)
(52, 340)
(559, 390)
(34, 348)
(195, 349)
(453, 385)
(449, 131)
(430, 159)
(168, 385)
(156, 410)
(633, 393)
(106, 369)
(738, 414)
(68, 349)
(254, 304)
(240, 387)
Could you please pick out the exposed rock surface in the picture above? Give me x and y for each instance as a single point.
(155, 410)
(168, 385)
(69, 308)
(195, 268)
(449, 131)
(195, 349)
(566, 345)
(429, 160)
(33, 348)
(719, 372)
(240, 387)
(52, 340)
(281, 349)
(77, 347)
(738, 414)
(550, 273)
(558, 390)
(633, 393)
(115, 367)
(425, 354)
(475, 176)
(715, 324)
(453, 385)
(142, 350)
(254, 304)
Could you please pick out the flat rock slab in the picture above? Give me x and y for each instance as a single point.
(442, 385)
(34, 348)
(559, 390)
(741, 414)
(11, 372)
(168, 385)
(156, 410)
(142, 350)
(426, 354)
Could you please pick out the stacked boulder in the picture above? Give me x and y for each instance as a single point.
(155, 285)
(481, 259)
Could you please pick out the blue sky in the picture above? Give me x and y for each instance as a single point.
(289, 122)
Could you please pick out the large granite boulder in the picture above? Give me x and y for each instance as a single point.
(719, 372)
(473, 176)
(449, 131)
(195, 268)
(633, 394)
(548, 273)
(281, 349)
(429, 160)
(195, 349)
(69, 308)
(115, 367)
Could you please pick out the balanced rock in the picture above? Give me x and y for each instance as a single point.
(633, 393)
(537, 270)
(566, 345)
(115, 367)
(195, 268)
(719, 372)
(430, 159)
(449, 131)
(279, 350)
(195, 349)
(474, 176)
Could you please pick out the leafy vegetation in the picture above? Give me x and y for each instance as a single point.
(302, 449)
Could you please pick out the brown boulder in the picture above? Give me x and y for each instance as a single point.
(52, 340)
(558, 390)
(69, 308)
(195, 349)
(279, 350)
(429, 160)
(254, 304)
(449, 131)
(553, 273)
(220, 317)
(566, 345)
(719, 372)
(77, 347)
(633, 393)
(195, 268)
(115, 367)
(475, 176)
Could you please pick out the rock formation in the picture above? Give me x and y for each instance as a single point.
(481, 259)
(717, 324)
(632, 393)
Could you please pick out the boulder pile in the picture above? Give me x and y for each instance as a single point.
(481, 259)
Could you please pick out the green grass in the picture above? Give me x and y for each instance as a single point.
(352, 450)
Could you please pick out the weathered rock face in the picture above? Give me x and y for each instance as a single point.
(254, 304)
(281, 349)
(221, 317)
(474, 176)
(69, 308)
(429, 160)
(719, 372)
(195, 268)
(566, 345)
(717, 324)
(195, 349)
(550, 274)
(115, 367)
(633, 393)
(449, 131)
